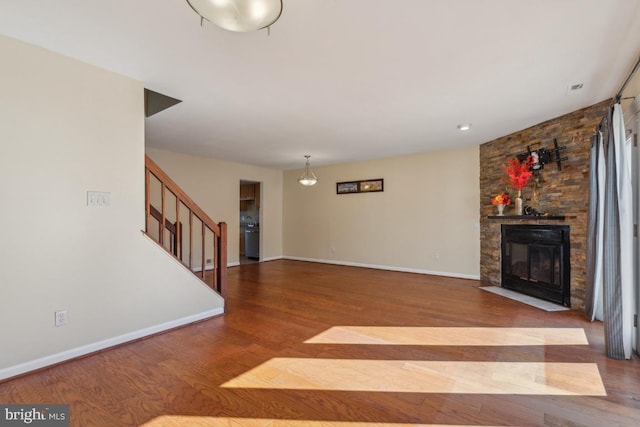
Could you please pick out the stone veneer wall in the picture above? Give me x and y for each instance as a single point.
(564, 192)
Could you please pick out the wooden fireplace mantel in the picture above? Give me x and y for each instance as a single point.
(531, 217)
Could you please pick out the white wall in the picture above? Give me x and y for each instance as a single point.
(426, 220)
(215, 186)
(66, 128)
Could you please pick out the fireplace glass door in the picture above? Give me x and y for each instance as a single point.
(535, 261)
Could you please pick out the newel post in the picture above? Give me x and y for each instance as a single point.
(222, 260)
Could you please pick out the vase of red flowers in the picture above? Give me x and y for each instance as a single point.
(518, 173)
(500, 201)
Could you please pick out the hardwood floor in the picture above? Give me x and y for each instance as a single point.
(293, 337)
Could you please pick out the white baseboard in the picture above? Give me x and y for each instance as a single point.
(237, 263)
(206, 268)
(386, 267)
(210, 267)
(63, 356)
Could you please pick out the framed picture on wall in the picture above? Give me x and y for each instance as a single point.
(364, 186)
(347, 187)
(371, 186)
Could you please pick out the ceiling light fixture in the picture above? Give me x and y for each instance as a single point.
(464, 126)
(308, 177)
(238, 15)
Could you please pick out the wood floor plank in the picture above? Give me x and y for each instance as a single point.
(274, 308)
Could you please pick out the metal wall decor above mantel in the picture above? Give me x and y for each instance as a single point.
(543, 156)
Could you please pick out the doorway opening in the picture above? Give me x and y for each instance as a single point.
(250, 224)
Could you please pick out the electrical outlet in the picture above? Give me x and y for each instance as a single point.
(99, 198)
(61, 318)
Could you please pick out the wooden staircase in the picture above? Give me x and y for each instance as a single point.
(184, 230)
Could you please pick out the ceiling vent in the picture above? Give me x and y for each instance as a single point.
(574, 88)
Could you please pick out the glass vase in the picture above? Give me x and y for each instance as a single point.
(518, 205)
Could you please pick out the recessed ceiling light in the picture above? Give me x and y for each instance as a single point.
(464, 126)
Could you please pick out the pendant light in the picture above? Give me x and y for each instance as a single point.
(308, 177)
(238, 15)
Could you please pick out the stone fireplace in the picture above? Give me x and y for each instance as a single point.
(535, 261)
(562, 193)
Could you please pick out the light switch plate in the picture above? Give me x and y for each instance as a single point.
(98, 198)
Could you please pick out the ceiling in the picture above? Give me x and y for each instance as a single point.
(347, 80)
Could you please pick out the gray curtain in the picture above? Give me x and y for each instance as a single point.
(595, 229)
(615, 209)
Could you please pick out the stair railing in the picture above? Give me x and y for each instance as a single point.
(182, 228)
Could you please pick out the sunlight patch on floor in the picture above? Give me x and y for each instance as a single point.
(183, 421)
(411, 376)
(391, 335)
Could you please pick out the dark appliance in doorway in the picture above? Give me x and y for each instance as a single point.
(252, 243)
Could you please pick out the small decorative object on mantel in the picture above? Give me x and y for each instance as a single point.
(531, 211)
(500, 201)
(519, 173)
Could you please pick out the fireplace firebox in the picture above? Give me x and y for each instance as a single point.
(536, 261)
